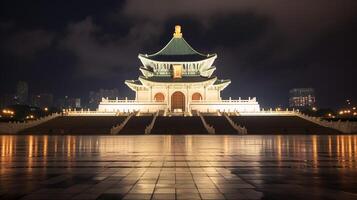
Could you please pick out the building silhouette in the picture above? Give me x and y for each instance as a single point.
(302, 98)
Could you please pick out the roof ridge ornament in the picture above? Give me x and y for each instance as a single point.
(177, 33)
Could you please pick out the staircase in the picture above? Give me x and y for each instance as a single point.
(76, 125)
(280, 125)
(178, 125)
(137, 125)
(220, 125)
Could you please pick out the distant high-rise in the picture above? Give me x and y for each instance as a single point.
(302, 98)
(22, 92)
(43, 100)
(69, 103)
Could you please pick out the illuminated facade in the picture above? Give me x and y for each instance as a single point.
(302, 98)
(178, 79)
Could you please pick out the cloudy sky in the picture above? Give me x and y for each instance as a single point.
(264, 47)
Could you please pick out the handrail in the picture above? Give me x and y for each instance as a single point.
(240, 129)
(208, 127)
(344, 127)
(116, 129)
(151, 125)
(15, 127)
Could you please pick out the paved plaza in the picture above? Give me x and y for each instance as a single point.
(179, 167)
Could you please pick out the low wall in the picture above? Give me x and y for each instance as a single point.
(226, 106)
(250, 105)
(343, 126)
(130, 106)
(90, 113)
(14, 127)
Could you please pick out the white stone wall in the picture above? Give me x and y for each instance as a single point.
(210, 102)
(130, 106)
(188, 91)
(212, 95)
(143, 95)
(202, 106)
(225, 106)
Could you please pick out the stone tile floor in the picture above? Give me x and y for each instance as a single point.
(178, 167)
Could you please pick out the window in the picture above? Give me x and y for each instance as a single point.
(159, 97)
(196, 96)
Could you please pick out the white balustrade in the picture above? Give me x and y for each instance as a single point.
(15, 127)
(116, 129)
(343, 126)
(151, 125)
(240, 129)
(208, 127)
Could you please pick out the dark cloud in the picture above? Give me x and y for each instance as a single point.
(100, 54)
(25, 44)
(265, 47)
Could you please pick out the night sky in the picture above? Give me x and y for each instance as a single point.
(264, 47)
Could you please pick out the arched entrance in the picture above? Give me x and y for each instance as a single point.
(159, 97)
(196, 96)
(178, 101)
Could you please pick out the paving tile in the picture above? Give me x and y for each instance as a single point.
(169, 167)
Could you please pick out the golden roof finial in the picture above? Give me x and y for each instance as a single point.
(177, 33)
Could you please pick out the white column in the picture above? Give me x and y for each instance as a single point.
(150, 93)
(204, 95)
(136, 94)
(168, 97)
(187, 104)
(219, 94)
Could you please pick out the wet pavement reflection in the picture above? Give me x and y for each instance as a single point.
(179, 167)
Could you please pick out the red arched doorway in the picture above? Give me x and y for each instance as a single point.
(159, 97)
(196, 96)
(178, 101)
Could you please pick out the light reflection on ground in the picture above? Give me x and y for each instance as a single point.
(178, 167)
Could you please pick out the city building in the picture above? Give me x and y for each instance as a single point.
(96, 97)
(22, 92)
(43, 100)
(302, 98)
(178, 79)
(69, 103)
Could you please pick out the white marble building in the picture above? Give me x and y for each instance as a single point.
(178, 79)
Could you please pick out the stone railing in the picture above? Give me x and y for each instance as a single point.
(343, 126)
(116, 129)
(15, 127)
(151, 125)
(240, 129)
(230, 100)
(208, 127)
(82, 112)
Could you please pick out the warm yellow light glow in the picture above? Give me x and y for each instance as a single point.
(46, 109)
(8, 112)
(177, 73)
(314, 108)
(30, 117)
(177, 33)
